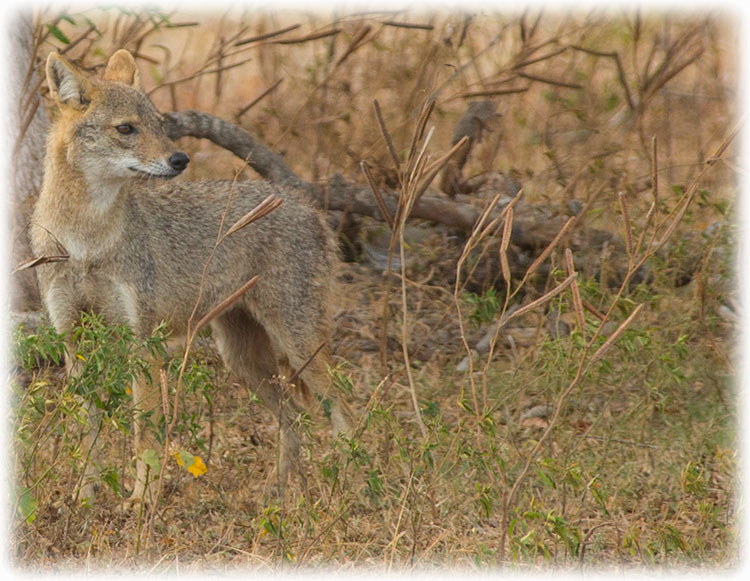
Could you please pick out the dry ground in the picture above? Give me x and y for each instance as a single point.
(540, 455)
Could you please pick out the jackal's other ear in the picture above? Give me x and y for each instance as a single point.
(121, 67)
(66, 84)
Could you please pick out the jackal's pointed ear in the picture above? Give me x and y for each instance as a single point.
(66, 84)
(122, 68)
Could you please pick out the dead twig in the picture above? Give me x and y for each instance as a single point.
(408, 25)
(257, 99)
(267, 35)
(549, 81)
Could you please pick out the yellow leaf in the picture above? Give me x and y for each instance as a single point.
(81, 357)
(197, 467)
(194, 464)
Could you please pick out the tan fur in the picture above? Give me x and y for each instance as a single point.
(138, 244)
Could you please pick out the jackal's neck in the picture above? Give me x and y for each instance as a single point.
(84, 214)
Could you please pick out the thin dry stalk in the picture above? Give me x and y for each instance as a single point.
(297, 372)
(309, 37)
(424, 115)
(379, 200)
(478, 233)
(416, 169)
(258, 99)
(203, 71)
(164, 392)
(626, 225)
(386, 136)
(224, 305)
(665, 72)
(655, 194)
(489, 93)
(268, 205)
(504, 243)
(654, 171)
(545, 298)
(593, 310)
(34, 262)
(481, 230)
(577, 303)
(641, 237)
(405, 337)
(408, 25)
(61, 256)
(550, 247)
(505, 315)
(428, 174)
(357, 41)
(541, 58)
(612, 338)
(267, 35)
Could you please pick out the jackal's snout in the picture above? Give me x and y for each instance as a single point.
(178, 161)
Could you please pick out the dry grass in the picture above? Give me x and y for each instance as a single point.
(612, 444)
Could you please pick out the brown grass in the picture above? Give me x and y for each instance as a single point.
(613, 444)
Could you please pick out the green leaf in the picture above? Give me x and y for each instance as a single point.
(151, 458)
(58, 34)
(186, 458)
(27, 506)
(111, 478)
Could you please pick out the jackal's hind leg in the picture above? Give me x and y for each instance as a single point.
(249, 354)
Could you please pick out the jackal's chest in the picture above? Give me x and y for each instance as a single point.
(76, 289)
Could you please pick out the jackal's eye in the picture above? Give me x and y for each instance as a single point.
(125, 129)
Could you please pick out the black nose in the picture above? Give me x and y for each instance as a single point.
(178, 161)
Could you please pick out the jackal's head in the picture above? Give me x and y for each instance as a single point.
(109, 129)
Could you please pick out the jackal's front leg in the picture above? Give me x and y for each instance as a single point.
(89, 481)
(59, 298)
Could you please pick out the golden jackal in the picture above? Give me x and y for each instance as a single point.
(138, 243)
